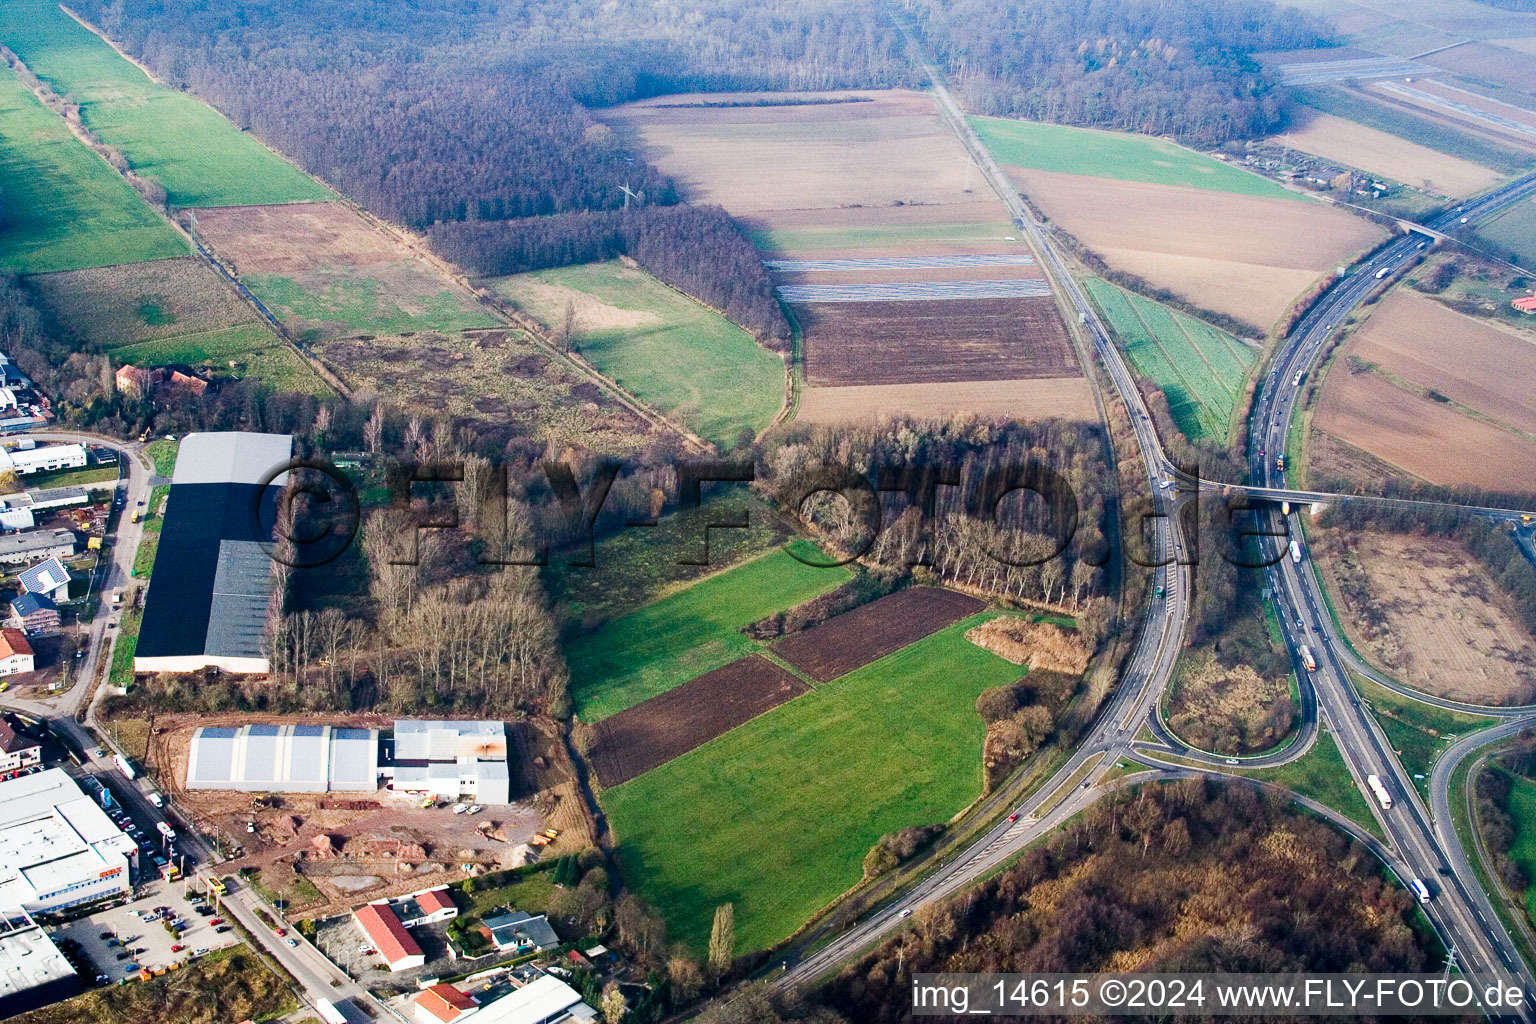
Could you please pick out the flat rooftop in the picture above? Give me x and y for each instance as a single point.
(28, 957)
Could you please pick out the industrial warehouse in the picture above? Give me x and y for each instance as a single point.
(440, 759)
(212, 577)
(57, 847)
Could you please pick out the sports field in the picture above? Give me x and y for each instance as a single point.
(251, 350)
(188, 147)
(65, 208)
(1200, 369)
(667, 643)
(1127, 157)
(777, 815)
(681, 357)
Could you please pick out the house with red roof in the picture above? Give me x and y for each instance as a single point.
(386, 934)
(442, 1004)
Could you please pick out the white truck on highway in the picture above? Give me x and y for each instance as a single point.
(1307, 659)
(1420, 889)
(329, 1013)
(1379, 788)
(1295, 552)
(1383, 272)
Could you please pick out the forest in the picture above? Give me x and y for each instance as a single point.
(1185, 70)
(1188, 876)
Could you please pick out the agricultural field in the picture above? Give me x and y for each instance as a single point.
(934, 341)
(883, 230)
(1200, 369)
(166, 135)
(384, 298)
(1377, 152)
(886, 148)
(1460, 110)
(1488, 62)
(1244, 256)
(1383, 113)
(683, 358)
(777, 815)
(874, 630)
(1068, 398)
(249, 350)
(66, 208)
(499, 379)
(653, 732)
(115, 306)
(1438, 394)
(1423, 610)
(327, 273)
(680, 637)
(1090, 152)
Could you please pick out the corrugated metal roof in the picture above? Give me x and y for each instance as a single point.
(230, 457)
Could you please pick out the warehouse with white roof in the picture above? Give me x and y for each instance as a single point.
(57, 847)
(284, 759)
(448, 759)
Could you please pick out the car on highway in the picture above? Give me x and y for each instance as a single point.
(280, 931)
(905, 913)
(293, 943)
(1014, 816)
(1232, 760)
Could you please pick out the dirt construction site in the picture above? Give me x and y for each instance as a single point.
(324, 853)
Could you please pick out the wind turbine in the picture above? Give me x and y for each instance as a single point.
(629, 194)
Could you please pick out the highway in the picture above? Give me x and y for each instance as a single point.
(1460, 909)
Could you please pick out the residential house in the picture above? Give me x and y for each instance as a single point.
(17, 750)
(521, 932)
(15, 653)
(442, 1004)
(34, 614)
(386, 934)
(47, 578)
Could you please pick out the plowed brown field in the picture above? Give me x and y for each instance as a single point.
(932, 341)
(866, 634)
(652, 733)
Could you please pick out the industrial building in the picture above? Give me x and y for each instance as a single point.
(46, 498)
(447, 760)
(33, 972)
(544, 1000)
(16, 548)
(212, 581)
(284, 759)
(24, 460)
(58, 848)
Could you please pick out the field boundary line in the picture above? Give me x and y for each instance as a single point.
(183, 337)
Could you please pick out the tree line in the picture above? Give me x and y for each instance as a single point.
(1186, 70)
(699, 250)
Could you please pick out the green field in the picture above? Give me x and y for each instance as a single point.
(111, 306)
(387, 298)
(188, 147)
(683, 358)
(1119, 155)
(668, 642)
(1436, 135)
(64, 207)
(1202, 370)
(777, 815)
(1515, 230)
(879, 235)
(248, 351)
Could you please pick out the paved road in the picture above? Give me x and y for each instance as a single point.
(1460, 909)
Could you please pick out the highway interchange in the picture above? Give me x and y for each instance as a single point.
(1420, 844)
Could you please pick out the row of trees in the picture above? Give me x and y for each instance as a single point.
(1137, 65)
(699, 250)
(1498, 827)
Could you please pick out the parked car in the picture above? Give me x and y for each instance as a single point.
(280, 931)
(217, 920)
(200, 950)
(104, 936)
(293, 942)
(123, 956)
(221, 929)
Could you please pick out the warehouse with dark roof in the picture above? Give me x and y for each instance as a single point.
(212, 581)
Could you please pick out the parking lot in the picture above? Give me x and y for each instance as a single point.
(147, 944)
